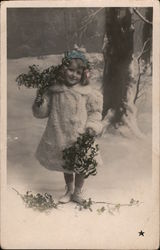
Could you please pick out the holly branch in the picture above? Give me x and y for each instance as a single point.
(45, 202)
(110, 207)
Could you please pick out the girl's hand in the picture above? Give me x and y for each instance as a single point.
(91, 131)
(39, 99)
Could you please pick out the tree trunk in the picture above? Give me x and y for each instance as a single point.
(118, 52)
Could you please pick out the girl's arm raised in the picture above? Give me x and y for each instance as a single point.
(94, 109)
(43, 110)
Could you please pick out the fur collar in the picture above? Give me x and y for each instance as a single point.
(83, 90)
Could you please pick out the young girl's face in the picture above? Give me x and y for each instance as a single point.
(73, 73)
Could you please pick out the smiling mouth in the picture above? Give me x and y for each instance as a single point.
(73, 79)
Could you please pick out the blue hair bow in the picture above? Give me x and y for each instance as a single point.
(76, 54)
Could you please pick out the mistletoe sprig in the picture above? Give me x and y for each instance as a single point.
(111, 208)
(87, 204)
(39, 202)
(38, 79)
(45, 203)
(80, 157)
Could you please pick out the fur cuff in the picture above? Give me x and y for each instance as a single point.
(96, 126)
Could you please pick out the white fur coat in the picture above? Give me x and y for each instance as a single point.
(70, 111)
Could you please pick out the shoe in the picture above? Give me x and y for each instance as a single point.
(67, 196)
(77, 197)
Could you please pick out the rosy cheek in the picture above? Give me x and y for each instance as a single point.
(68, 73)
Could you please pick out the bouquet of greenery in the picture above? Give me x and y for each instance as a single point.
(38, 79)
(80, 157)
(39, 202)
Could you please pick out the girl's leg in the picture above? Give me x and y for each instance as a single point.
(69, 188)
(79, 181)
(77, 195)
(69, 181)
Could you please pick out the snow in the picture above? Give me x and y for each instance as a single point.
(126, 174)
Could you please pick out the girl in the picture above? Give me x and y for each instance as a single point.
(72, 108)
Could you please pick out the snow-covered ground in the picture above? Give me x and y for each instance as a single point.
(126, 174)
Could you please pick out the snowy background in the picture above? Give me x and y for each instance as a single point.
(126, 174)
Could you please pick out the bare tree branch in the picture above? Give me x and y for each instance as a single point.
(89, 19)
(143, 49)
(140, 95)
(135, 21)
(137, 88)
(92, 15)
(141, 16)
(139, 69)
(141, 89)
(86, 21)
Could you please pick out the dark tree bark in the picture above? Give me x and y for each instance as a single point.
(147, 33)
(118, 56)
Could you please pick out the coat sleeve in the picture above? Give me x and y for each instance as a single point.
(43, 110)
(94, 109)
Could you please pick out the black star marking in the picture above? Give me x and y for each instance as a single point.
(141, 233)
